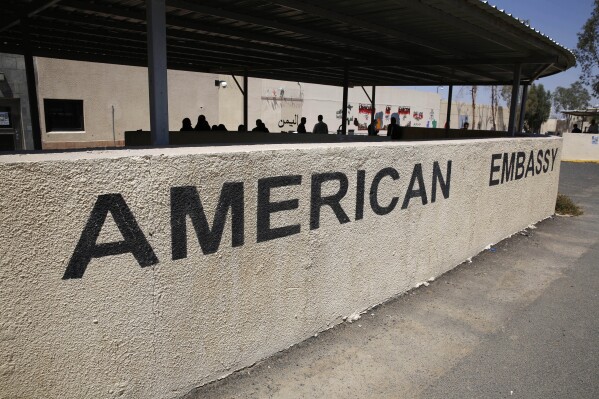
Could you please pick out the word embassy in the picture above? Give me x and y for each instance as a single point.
(185, 203)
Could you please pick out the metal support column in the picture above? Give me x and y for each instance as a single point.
(344, 106)
(245, 100)
(33, 101)
(448, 116)
(157, 72)
(515, 86)
(34, 111)
(523, 107)
(372, 102)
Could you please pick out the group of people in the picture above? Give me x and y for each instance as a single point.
(201, 126)
(593, 128)
(319, 128)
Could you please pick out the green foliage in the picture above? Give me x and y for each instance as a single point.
(506, 94)
(574, 97)
(565, 206)
(538, 107)
(586, 51)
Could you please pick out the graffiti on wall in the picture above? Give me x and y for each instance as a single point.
(282, 106)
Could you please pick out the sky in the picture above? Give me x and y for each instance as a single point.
(561, 20)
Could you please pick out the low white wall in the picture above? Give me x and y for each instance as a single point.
(103, 327)
(581, 147)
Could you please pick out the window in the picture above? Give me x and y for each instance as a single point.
(5, 121)
(63, 115)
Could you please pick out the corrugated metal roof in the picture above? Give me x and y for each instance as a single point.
(382, 42)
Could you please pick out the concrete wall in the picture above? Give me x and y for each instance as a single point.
(80, 318)
(581, 147)
(102, 86)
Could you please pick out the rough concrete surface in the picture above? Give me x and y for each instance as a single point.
(108, 289)
(519, 322)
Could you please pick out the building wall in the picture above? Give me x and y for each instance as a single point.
(461, 111)
(581, 147)
(80, 318)
(104, 86)
(282, 104)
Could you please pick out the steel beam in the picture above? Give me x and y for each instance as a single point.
(157, 72)
(513, 106)
(448, 117)
(245, 99)
(345, 93)
(523, 107)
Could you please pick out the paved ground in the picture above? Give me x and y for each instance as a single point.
(520, 322)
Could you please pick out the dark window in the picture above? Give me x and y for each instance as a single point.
(63, 115)
(5, 120)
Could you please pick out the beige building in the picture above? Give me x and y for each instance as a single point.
(483, 119)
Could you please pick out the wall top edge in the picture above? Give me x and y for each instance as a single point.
(229, 149)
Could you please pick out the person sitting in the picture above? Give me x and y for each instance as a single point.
(301, 128)
(466, 126)
(393, 129)
(187, 126)
(202, 125)
(222, 128)
(576, 129)
(214, 128)
(260, 127)
(241, 128)
(320, 127)
(593, 128)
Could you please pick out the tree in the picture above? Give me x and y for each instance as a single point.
(586, 50)
(574, 97)
(473, 94)
(506, 94)
(538, 107)
(494, 106)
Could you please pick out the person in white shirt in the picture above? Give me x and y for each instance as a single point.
(320, 127)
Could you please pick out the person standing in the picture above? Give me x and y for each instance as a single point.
(593, 128)
(393, 129)
(301, 128)
(320, 127)
(576, 129)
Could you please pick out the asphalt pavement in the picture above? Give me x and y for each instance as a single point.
(518, 322)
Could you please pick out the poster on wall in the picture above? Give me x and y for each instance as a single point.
(403, 110)
(4, 119)
(365, 109)
(595, 140)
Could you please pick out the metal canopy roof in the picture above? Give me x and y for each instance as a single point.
(382, 42)
(582, 112)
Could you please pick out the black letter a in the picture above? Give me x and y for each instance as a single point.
(134, 240)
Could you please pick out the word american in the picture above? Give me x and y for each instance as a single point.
(185, 202)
